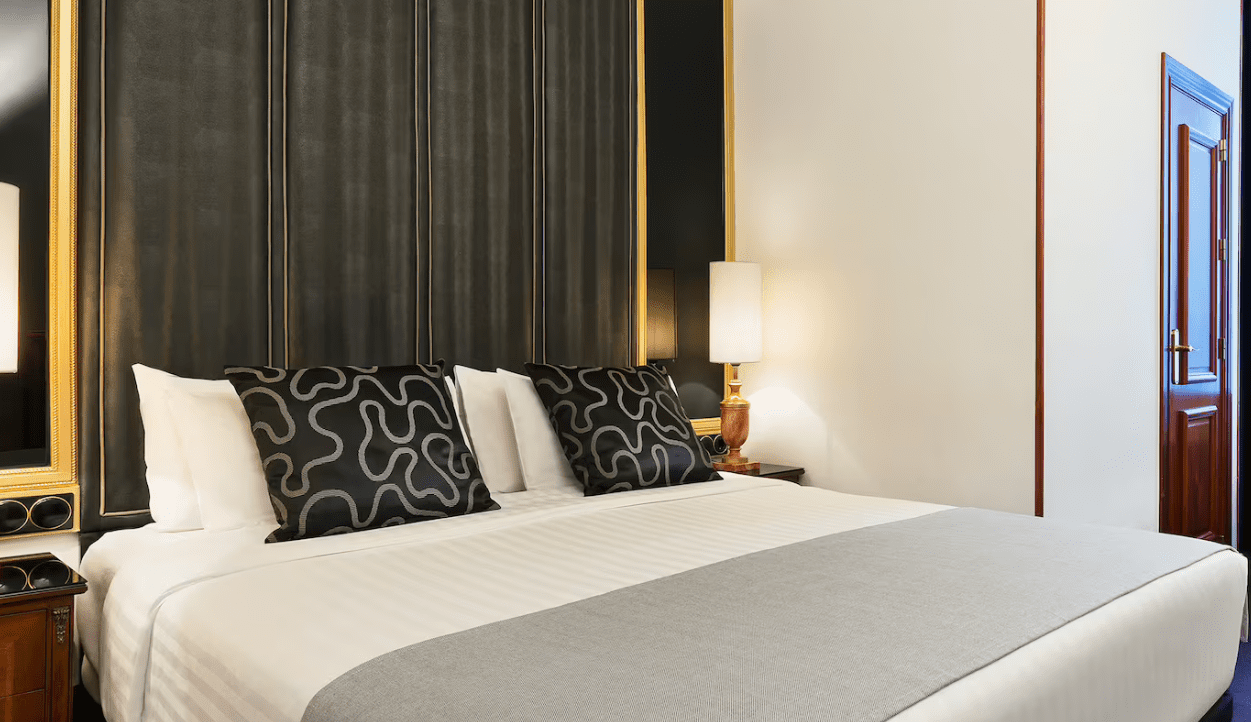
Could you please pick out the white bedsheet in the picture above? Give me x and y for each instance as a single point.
(224, 627)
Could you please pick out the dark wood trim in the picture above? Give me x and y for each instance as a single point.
(1038, 263)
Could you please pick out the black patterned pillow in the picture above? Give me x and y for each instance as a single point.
(346, 449)
(621, 428)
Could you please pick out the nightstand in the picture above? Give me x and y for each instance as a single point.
(37, 638)
(777, 471)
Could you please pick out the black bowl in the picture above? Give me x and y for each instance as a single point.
(47, 574)
(50, 512)
(12, 579)
(13, 516)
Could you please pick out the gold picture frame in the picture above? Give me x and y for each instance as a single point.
(711, 426)
(60, 476)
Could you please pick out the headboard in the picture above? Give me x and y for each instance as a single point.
(305, 182)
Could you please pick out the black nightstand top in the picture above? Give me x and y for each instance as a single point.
(776, 471)
(37, 574)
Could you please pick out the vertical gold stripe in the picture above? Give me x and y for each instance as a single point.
(641, 186)
(65, 369)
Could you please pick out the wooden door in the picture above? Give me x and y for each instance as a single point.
(1195, 485)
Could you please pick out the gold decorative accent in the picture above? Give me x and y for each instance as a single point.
(60, 623)
(60, 476)
(735, 423)
(706, 427)
(640, 192)
(703, 427)
(731, 217)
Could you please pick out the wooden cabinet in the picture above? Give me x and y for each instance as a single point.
(37, 638)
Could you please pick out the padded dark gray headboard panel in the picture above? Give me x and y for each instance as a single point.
(344, 181)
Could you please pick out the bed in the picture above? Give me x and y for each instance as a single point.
(558, 546)
(220, 626)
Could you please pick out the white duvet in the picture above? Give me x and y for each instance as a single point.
(200, 626)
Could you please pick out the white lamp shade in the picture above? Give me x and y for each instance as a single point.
(734, 312)
(10, 197)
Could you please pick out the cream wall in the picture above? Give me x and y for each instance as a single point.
(65, 546)
(1103, 336)
(885, 166)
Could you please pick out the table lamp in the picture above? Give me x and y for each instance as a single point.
(10, 198)
(734, 327)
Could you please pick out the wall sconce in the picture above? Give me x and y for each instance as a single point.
(662, 315)
(10, 198)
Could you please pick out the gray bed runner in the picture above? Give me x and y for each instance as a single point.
(852, 626)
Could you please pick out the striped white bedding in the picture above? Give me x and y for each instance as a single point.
(224, 627)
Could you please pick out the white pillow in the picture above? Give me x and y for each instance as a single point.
(489, 428)
(460, 412)
(543, 464)
(172, 498)
(225, 466)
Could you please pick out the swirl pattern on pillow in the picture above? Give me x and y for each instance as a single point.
(621, 428)
(346, 449)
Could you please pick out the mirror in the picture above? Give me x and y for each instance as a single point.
(687, 109)
(37, 247)
(25, 121)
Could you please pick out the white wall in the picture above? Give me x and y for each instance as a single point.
(1102, 266)
(65, 546)
(885, 162)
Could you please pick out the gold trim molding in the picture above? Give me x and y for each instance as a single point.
(711, 426)
(61, 475)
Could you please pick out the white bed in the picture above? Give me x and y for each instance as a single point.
(220, 626)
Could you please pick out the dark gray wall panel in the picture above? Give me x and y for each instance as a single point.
(350, 174)
(300, 182)
(482, 180)
(589, 188)
(184, 244)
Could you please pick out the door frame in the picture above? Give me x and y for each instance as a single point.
(1175, 75)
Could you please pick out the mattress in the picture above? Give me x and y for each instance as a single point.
(221, 626)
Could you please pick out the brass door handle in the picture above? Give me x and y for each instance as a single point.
(1176, 347)
(1175, 344)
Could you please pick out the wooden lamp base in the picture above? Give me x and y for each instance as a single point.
(735, 423)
